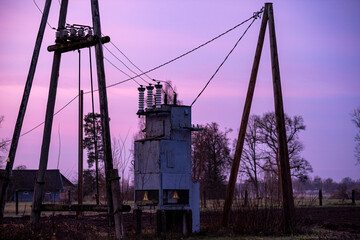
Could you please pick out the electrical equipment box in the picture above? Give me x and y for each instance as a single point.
(163, 162)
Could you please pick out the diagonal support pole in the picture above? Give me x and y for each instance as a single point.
(4, 183)
(44, 156)
(103, 107)
(285, 176)
(244, 121)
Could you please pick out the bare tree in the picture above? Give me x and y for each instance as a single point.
(21, 167)
(356, 119)
(170, 92)
(210, 159)
(299, 166)
(121, 159)
(252, 155)
(4, 143)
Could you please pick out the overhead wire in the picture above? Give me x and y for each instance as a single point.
(124, 63)
(37, 6)
(132, 63)
(127, 58)
(37, 126)
(131, 78)
(222, 63)
(188, 52)
(157, 67)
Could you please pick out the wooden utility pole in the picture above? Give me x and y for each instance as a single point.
(103, 107)
(285, 177)
(94, 133)
(245, 117)
(65, 43)
(40, 176)
(80, 144)
(4, 182)
(81, 157)
(118, 207)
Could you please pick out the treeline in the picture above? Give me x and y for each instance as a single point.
(329, 188)
(213, 152)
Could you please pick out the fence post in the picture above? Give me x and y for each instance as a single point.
(138, 213)
(320, 197)
(246, 199)
(69, 197)
(204, 198)
(353, 197)
(17, 202)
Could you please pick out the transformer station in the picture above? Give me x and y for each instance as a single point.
(162, 165)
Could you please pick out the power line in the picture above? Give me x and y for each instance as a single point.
(122, 71)
(222, 63)
(154, 80)
(68, 103)
(124, 63)
(43, 13)
(255, 16)
(122, 53)
(159, 66)
(37, 126)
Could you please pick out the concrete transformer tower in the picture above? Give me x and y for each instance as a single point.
(163, 166)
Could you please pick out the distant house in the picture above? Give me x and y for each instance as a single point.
(23, 181)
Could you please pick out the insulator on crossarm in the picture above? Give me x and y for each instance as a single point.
(90, 32)
(81, 32)
(72, 32)
(149, 97)
(158, 96)
(141, 98)
(64, 34)
(58, 35)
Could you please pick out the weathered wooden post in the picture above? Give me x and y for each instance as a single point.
(284, 168)
(4, 180)
(69, 197)
(285, 176)
(103, 106)
(118, 218)
(244, 121)
(204, 198)
(246, 198)
(17, 202)
(40, 176)
(320, 197)
(161, 223)
(138, 214)
(353, 197)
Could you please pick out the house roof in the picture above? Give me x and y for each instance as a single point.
(25, 180)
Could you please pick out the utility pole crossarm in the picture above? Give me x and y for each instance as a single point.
(83, 43)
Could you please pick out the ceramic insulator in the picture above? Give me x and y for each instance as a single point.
(141, 98)
(158, 96)
(149, 97)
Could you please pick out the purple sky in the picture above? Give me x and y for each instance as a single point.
(319, 55)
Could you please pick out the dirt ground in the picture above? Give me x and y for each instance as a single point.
(317, 223)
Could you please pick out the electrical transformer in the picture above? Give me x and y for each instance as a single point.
(163, 162)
